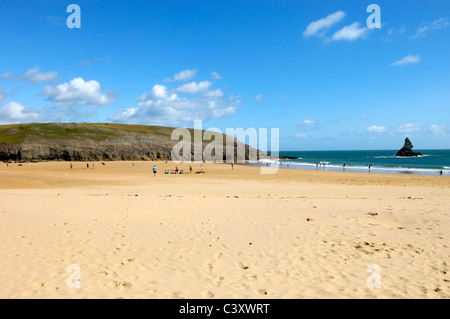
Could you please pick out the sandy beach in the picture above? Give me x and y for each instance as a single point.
(227, 233)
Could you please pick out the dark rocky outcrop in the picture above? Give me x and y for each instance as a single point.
(406, 150)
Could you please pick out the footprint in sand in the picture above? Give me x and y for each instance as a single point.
(208, 266)
(127, 261)
(53, 289)
(252, 277)
(242, 266)
(29, 293)
(262, 292)
(218, 281)
(176, 295)
(38, 284)
(208, 294)
(112, 274)
(120, 284)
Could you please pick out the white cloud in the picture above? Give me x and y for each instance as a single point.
(306, 123)
(408, 60)
(215, 93)
(87, 62)
(316, 28)
(439, 130)
(158, 92)
(160, 107)
(351, 32)
(15, 113)
(32, 75)
(440, 23)
(215, 76)
(410, 127)
(78, 92)
(7, 76)
(377, 129)
(2, 94)
(194, 87)
(259, 97)
(301, 136)
(182, 75)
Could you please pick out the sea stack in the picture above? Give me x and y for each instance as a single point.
(406, 150)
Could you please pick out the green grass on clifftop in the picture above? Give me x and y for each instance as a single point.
(22, 133)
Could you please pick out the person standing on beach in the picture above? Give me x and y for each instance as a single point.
(440, 173)
(71, 166)
(154, 170)
(190, 168)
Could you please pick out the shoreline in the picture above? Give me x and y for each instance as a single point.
(359, 169)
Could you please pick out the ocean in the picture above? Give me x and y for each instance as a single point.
(430, 163)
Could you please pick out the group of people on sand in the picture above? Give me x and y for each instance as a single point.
(175, 171)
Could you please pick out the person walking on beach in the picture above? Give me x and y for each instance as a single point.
(154, 170)
(71, 166)
(440, 173)
(190, 168)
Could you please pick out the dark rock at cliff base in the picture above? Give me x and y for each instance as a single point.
(406, 150)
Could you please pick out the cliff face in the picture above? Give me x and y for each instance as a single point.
(73, 152)
(406, 150)
(86, 142)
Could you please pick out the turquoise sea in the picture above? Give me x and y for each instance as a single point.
(384, 161)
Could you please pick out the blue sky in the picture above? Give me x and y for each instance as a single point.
(313, 69)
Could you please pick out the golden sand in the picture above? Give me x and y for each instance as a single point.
(222, 234)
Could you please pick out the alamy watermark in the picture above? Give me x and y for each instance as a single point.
(74, 20)
(374, 280)
(236, 151)
(374, 20)
(74, 280)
